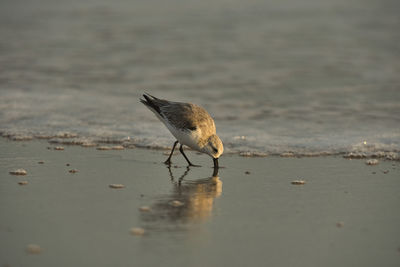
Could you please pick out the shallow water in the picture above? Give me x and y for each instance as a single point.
(346, 214)
(309, 77)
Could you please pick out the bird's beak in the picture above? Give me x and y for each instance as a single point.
(215, 163)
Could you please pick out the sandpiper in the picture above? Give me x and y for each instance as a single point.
(190, 124)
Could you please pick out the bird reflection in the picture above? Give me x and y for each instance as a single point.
(190, 201)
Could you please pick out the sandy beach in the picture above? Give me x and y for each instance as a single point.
(69, 214)
(305, 96)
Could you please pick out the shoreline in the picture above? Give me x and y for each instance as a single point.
(70, 139)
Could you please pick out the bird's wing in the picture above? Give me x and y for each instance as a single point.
(183, 116)
(186, 116)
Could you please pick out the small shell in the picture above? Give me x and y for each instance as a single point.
(137, 231)
(33, 249)
(298, 182)
(372, 162)
(18, 172)
(144, 208)
(176, 203)
(116, 186)
(73, 171)
(23, 182)
(59, 148)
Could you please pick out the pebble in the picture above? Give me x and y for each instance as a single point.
(176, 203)
(18, 172)
(385, 172)
(33, 249)
(339, 224)
(247, 172)
(59, 148)
(137, 231)
(67, 164)
(41, 162)
(298, 182)
(117, 148)
(23, 182)
(73, 171)
(144, 208)
(372, 162)
(116, 186)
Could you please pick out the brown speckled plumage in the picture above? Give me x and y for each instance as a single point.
(185, 116)
(190, 124)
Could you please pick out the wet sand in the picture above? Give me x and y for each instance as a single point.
(88, 207)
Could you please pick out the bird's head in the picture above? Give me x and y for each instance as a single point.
(214, 147)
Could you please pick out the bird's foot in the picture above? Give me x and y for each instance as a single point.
(193, 165)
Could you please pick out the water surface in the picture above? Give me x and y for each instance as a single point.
(278, 76)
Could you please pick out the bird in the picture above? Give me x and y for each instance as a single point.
(190, 124)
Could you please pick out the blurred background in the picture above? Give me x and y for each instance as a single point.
(301, 76)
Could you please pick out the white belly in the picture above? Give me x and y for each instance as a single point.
(188, 138)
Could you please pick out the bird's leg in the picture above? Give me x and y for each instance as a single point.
(168, 161)
(216, 166)
(188, 161)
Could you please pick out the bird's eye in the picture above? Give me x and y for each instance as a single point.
(215, 150)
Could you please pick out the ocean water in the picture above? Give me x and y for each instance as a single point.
(307, 77)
